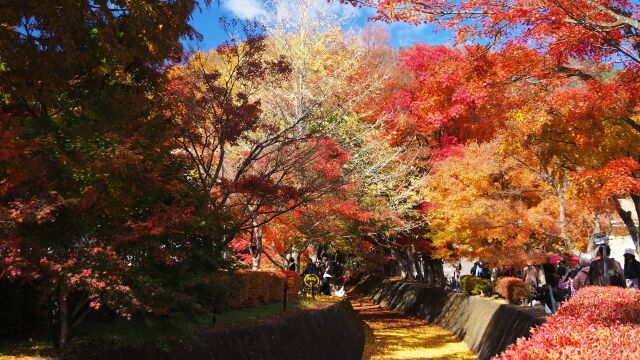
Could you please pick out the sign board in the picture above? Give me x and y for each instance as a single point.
(311, 280)
(600, 238)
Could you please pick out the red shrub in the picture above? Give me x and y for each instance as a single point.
(293, 278)
(253, 288)
(257, 287)
(604, 304)
(513, 289)
(597, 323)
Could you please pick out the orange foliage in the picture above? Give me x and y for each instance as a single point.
(253, 288)
(487, 206)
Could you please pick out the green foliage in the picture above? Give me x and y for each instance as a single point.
(474, 285)
(250, 314)
(143, 329)
(151, 329)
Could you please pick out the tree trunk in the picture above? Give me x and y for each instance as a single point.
(436, 273)
(63, 299)
(256, 253)
(636, 205)
(411, 260)
(255, 261)
(402, 264)
(627, 218)
(597, 228)
(255, 249)
(422, 272)
(562, 216)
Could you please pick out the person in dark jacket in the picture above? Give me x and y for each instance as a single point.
(310, 269)
(562, 269)
(476, 269)
(615, 273)
(631, 268)
(479, 269)
(550, 276)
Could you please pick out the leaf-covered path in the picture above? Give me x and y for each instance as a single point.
(391, 335)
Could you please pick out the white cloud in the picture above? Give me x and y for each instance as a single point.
(244, 9)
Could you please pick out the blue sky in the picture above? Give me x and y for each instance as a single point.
(206, 22)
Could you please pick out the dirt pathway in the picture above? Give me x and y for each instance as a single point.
(391, 335)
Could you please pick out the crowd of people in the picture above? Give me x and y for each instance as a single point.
(562, 280)
(555, 281)
(326, 269)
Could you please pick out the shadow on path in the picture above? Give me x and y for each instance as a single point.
(391, 335)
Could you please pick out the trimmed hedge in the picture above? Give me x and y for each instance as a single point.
(293, 278)
(253, 288)
(515, 290)
(474, 285)
(597, 323)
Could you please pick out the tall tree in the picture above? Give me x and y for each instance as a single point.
(331, 72)
(81, 135)
(250, 164)
(572, 36)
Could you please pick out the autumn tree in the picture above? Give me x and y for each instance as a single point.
(330, 224)
(585, 35)
(330, 72)
(252, 165)
(586, 30)
(90, 203)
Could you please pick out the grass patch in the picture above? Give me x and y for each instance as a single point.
(251, 314)
(121, 332)
(31, 349)
(150, 330)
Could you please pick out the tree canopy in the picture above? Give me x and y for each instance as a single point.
(133, 169)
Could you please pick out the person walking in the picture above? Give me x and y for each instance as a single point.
(310, 269)
(550, 275)
(325, 288)
(481, 270)
(530, 276)
(476, 269)
(582, 276)
(631, 268)
(614, 275)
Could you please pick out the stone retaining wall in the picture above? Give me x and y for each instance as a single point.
(334, 332)
(487, 326)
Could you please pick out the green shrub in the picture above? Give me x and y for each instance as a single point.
(475, 286)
